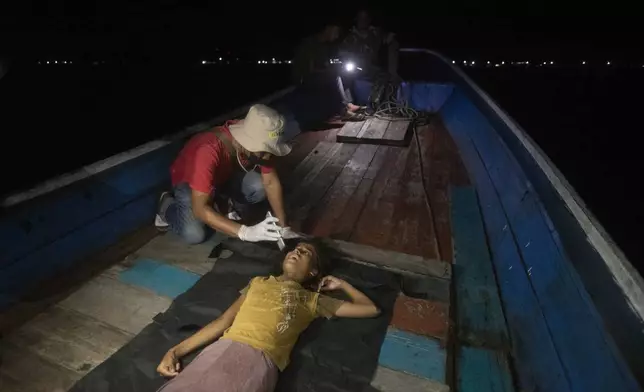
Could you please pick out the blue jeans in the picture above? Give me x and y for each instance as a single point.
(242, 188)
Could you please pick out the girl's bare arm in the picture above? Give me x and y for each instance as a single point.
(359, 305)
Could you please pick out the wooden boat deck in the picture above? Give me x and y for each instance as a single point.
(374, 194)
(363, 193)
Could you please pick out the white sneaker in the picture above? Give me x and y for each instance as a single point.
(160, 223)
(234, 216)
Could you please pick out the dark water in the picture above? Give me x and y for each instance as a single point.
(56, 119)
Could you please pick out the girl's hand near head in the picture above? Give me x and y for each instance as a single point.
(359, 306)
(329, 283)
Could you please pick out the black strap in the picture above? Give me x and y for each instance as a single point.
(228, 143)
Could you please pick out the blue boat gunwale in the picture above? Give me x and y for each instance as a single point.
(564, 217)
(626, 275)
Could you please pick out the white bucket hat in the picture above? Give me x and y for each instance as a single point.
(261, 131)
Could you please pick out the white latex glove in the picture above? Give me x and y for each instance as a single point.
(263, 231)
(289, 234)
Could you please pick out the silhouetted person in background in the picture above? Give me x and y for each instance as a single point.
(362, 46)
(314, 53)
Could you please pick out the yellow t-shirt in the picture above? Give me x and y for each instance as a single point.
(274, 314)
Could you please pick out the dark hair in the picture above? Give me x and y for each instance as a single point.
(322, 260)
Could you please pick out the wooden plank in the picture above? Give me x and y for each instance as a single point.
(376, 164)
(378, 131)
(350, 129)
(387, 380)
(310, 193)
(458, 174)
(399, 131)
(439, 196)
(118, 304)
(374, 128)
(429, 232)
(320, 149)
(366, 124)
(344, 227)
(65, 252)
(69, 325)
(303, 179)
(412, 213)
(480, 317)
(329, 210)
(482, 370)
(34, 373)
(413, 354)
(294, 178)
(393, 260)
(36, 235)
(374, 224)
(66, 353)
(421, 317)
(436, 168)
(171, 249)
(538, 364)
(58, 287)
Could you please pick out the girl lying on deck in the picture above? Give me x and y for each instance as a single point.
(261, 327)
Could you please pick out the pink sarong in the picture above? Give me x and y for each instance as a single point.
(226, 366)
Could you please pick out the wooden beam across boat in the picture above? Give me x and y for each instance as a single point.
(389, 260)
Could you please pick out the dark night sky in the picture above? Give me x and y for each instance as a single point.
(176, 28)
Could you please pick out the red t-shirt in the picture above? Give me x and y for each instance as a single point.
(204, 162)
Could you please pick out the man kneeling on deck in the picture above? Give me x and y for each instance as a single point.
(221, 162)
(259, 330)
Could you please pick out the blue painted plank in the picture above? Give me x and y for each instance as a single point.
(482, 370)
(425, 96)
(413, 354)
(588, 358)
(614, 308)
(480, 317)
(37, 223)
(538, 365)
(159, 277)
(19, 277)
(587, 355)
